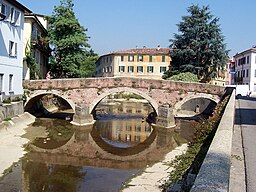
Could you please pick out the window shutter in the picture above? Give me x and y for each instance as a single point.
(17, 18)
(8, 13)
(16, 49)
(10, 48)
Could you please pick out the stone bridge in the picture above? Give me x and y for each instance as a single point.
(168, 98)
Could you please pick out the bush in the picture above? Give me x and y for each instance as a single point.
(189, 77)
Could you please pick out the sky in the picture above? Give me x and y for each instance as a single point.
(115, 25)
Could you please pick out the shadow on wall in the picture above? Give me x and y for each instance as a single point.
(3, 48)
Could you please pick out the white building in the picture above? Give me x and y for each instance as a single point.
(11, 48)
(35, 43)
(245, 67)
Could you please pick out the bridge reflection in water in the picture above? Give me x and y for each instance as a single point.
(97, 157)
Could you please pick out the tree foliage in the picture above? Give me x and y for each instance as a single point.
(199, 46)
(187, 77)
(69, 41)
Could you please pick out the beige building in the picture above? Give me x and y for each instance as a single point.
(34, 41)
(139, 62)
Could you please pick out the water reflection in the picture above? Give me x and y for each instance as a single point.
(99, 157)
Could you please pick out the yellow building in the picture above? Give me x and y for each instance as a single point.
(139, 62)
(34, 41)
(220, 79)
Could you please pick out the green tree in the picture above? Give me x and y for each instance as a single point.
(69, 41)
(199, 46)
(88, 67)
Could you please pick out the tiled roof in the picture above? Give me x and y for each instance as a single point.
(251, 50)
(145, 51)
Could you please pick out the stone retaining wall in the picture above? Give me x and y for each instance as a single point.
(215, 170)
(11, 110)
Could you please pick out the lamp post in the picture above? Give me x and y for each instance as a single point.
(2, 16)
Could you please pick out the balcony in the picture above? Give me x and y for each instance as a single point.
(42, 44)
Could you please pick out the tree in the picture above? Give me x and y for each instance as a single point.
(69, 41)
(199, 47)
(88, 67)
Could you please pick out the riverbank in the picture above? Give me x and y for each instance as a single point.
(11, 142)
(152, 177)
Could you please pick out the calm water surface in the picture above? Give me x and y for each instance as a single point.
(101, 157)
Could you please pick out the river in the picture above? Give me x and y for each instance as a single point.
(102, 157)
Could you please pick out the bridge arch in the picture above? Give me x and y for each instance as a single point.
(40, 93)
(202, 97)
(96, 101)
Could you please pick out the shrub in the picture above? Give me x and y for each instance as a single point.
(188, 77)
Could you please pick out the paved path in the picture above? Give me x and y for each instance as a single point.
(11, 143)
(246, 118)
(154, 176)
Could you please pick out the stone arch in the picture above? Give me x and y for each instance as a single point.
(178, 106)
(151, 101)
(38, 94)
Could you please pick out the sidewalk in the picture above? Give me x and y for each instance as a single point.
(237, 169)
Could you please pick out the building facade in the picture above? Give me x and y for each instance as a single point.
(245, 68)
(11, 48)
(35, 44)
(230, 69)
(139, 62)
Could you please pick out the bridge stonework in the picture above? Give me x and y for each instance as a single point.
(83, 95)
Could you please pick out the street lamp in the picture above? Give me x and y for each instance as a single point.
(2, 16)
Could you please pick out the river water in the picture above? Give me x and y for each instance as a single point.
(101, 157)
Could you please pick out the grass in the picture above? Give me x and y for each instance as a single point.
(191, 160)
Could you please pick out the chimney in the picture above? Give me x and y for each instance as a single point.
(158, 47)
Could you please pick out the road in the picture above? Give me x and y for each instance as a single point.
(246, 113)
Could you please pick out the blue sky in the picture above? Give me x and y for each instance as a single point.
(123, 24)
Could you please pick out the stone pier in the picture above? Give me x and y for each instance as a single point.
(165, 117)
(82, 116)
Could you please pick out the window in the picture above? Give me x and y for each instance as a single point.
(110, 69)
(255, 73)
(162, 69)
(10, 82)
(163, 58)
(130, 69)
(247, 72)
(3, 9)
(12, 49)
(122, 58)
(128, 137)
(248, 58)
(243, 73)
(140, 58)
(140, 69)
(131, 58)
(238, 73)
(1, 82)
(255, 59)
(121, 68)
(150, 69)
(137, 138)
(150, 58)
